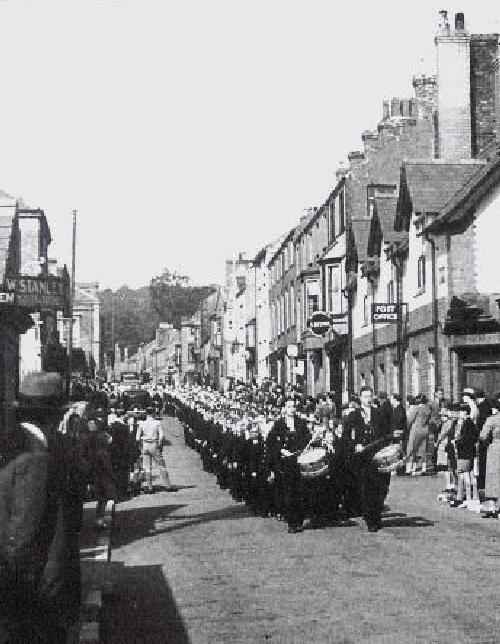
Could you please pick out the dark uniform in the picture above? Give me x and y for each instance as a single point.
(286, 467)
(372, 486)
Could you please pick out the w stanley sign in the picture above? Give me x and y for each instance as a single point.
(36, 293)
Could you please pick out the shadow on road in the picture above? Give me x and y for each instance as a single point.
(397, 520)
(142, 608)
(134, 524)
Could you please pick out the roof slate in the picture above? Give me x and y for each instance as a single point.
(469, 193)
(432, 184)
(386, 213)
(361, 232)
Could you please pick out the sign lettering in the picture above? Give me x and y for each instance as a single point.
(320, 323)
(382, 313)
(35, 292)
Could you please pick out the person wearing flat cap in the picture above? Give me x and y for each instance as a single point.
(39, 519)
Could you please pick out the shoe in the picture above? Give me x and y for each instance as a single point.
(294, 529)
(373, 528)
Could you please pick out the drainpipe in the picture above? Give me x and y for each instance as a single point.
(399, 330)
(435, 312)
(350, 363)
(374, 340)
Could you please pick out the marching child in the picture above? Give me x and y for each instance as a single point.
(465, 441)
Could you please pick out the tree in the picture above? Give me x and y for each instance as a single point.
(135, 320)
(173, 297)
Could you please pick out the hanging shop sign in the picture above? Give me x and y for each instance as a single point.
(383, 313)
(320, 323)
(35, 292)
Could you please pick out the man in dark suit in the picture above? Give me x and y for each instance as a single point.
(365, 432)
(285, 442)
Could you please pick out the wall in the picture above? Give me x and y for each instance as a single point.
(453, 60)
(484, 253)
(483, 54)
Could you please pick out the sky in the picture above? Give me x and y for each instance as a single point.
(186, 131)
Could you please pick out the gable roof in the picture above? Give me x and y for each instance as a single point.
(361, 231)
(382, 225)
(427, 186)
(468, 196)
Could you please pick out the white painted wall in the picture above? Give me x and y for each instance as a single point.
(487, 235)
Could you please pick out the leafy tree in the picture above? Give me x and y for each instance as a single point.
(173, 297)
(137, 312)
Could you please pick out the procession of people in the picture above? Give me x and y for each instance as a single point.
(295, 457)
(291, 457)
(286, 455)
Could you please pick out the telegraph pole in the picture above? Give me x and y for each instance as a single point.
(71, 304)
(113, 333)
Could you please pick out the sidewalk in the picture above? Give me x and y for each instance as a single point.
(95, 557)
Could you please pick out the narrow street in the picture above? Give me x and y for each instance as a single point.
(193, 566)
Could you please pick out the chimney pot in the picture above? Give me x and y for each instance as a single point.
(459, 22)
(443, 24)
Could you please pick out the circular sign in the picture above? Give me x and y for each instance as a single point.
(292, 351)
(320, 323)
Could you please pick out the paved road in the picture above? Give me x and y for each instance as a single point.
(193, 566)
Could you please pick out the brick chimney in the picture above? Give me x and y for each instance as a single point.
(483, 80)
(453, 76)
(371, 141)
(426, 95)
